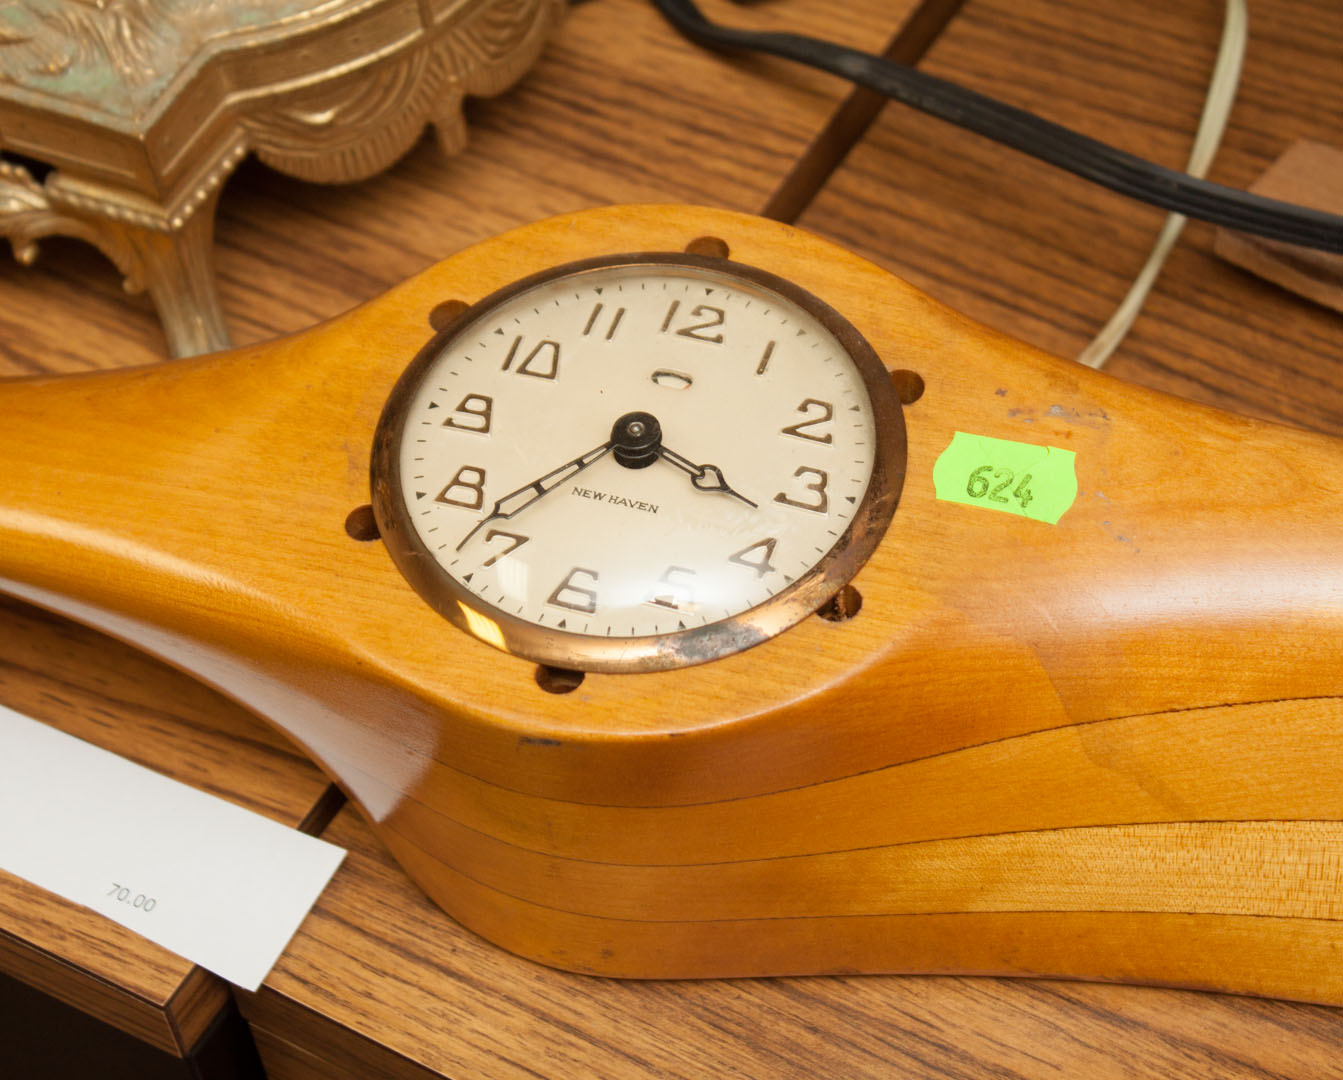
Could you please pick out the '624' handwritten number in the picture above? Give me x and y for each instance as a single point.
(980, 485)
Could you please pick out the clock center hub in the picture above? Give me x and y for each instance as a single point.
(769, 460)
(636, 440)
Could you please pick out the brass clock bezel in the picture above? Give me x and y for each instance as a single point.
(586, 652)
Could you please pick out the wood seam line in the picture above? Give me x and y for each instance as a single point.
(134, 998)
(319, 1022)
(1021, 735)
(804, 855)
(973, 912)
(850, 121)
(327, 806)
(170, 1011)
(198, 981)
(321, 1066)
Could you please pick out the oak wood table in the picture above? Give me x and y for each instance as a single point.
(378, 983)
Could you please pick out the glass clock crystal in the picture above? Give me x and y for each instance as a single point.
(638, 462)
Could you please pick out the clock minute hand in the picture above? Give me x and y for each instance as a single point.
(704, 477)
(516, 501)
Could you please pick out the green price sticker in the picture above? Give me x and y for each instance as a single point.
(1017, 478)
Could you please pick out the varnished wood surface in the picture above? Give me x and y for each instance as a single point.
(421, 998)
(618, 110)
(1193, 1032)
(1145, 601)
(120, 699)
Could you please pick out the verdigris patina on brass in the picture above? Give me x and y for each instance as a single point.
(143, 108)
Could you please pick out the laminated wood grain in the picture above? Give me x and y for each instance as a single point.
(421, 997)
(1149, 630)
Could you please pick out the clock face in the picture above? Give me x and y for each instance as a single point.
(638, 463)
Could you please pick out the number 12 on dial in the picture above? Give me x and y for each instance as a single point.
(637, 463)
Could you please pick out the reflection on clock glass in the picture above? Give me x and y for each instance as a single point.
(636, 450)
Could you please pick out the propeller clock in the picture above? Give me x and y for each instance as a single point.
(701, 600)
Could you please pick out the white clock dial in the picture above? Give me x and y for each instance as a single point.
(620, 466)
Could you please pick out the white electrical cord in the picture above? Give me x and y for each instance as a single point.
(1216, 110)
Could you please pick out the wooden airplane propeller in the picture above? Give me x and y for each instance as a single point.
(1106, 746)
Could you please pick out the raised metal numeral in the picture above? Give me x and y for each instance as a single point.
(827, 414)
(712, 317)
(467, 478)
(764, 359)
(517, 542)
(588, 605)
(677, 595)
(697, 331)
(760, 562)
(818, 486)
(671, 314)
(543, 362)
(611, 328)
(478, 408)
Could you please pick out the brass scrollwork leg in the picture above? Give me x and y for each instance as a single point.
(172, 260)
(177, 268)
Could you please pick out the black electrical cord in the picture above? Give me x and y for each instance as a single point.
(1086, 157)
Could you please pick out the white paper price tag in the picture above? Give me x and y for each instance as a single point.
(217, 884)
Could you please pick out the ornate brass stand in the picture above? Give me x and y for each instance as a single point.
(142, 110)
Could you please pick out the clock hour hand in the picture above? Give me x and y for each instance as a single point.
(516, 501)
(637, 439)
(704, 477)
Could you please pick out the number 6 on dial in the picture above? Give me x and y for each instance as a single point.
(642, 497)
